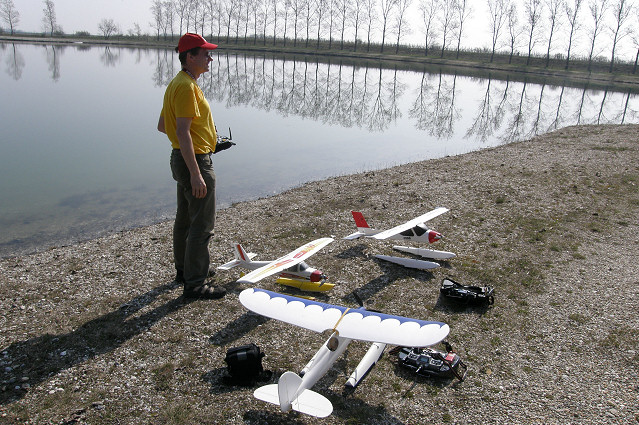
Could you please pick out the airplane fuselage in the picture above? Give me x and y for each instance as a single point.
(418, 233)
(298, 271)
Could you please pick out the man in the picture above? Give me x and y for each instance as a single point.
(186, 119)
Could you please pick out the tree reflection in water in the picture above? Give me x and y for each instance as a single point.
(368, 97)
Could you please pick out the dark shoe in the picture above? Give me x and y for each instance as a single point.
(204, 291)
(179, 276)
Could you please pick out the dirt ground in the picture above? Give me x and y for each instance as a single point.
(98, 332)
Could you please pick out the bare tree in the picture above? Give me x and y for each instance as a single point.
(249, 9)
(310, 15)
(157, 12)
(356, 18)
(202, 16)
(211, 10)
(169, 17)
(287, 7)
(136, 31)
(265, 10)
(498, 10)
(386, 7)
(429, 9)
(401, 24)
(554, 7)
(9, 14)
(513, 28)
(191, 16)
(621, 12)
(274, 3)
(342, 9)
(108, 27)
(320, 9)
(532, 9)
(572, 12)
(369, 21)
(464, 11)
(331, 20)
(238, 16)
(447, 21)
(635, 39)
(597, 11)
(227, 16)
(182, 10)
(49, 20)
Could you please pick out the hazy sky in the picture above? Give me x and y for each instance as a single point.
(84, 15)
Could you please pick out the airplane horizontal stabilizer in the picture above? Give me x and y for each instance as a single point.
(229, 265)
(354, 236)
(307, 402)
(267, 393)
(236, 262)
(357, 324)
(312, 403)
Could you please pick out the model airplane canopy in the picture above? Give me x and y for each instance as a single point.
(349, 323)
(286, 261)
(410, 224)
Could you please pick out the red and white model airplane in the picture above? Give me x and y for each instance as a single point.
(413, 230)
(291, 268)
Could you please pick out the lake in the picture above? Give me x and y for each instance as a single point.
(81, 156)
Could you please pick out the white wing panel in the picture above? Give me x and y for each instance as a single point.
(410, 224)
(353, 324)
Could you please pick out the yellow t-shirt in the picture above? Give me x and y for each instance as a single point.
(184, 98)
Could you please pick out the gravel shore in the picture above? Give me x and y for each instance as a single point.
(98, 332)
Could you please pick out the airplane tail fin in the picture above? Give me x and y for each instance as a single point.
(241, 256)
(286, 394)
(363, 229)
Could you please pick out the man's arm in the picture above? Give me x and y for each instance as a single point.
(198, 185)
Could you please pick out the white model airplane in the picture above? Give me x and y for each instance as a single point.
(294, 391)
(291, 268)
(413, 230)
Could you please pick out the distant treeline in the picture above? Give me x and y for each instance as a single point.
(538, 33)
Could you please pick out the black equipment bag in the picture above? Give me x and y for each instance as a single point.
(465, 294)
(245, 363)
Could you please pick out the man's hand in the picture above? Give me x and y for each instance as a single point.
(198, 187)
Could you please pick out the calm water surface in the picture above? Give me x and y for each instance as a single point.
(81, 155)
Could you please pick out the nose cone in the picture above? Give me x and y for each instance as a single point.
(433, 236)
(316, 276)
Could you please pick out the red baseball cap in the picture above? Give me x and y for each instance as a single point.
(190, 41)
